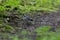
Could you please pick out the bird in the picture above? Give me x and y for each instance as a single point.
(27, 18)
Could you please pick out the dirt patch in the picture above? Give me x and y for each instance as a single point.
(33, 21)
(39, 19)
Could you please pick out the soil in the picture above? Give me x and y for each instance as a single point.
(39, 19)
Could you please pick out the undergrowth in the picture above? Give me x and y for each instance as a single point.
(28, 5)
(42, 33)
(25, 6)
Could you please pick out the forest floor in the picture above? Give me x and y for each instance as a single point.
(39, 19)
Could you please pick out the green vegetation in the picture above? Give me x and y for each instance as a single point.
(49, 36)
(42, 30)
(14, 38)
(44, 34)
(24, 32)
(26, 6)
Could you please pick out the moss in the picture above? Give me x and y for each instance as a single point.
(42, 30)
